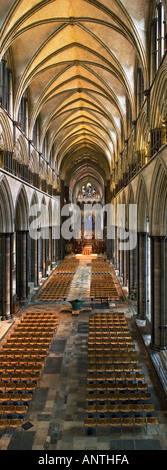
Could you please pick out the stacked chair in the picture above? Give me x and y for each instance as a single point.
(117, 395)
(22, 358)
(103, 286)
(58, 285)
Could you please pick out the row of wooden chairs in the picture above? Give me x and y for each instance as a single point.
(104, 337)
(108, 293)
(19, 398)
(113, 397)
(113, 367)
(13, 411)
(108, 338)
(119, 409)
(31, 335)
(101, 362)
(116, 376)
(109, 424)
(10, 424)
(117, 385)
(107, 321)
(104, 343)
(17, 387)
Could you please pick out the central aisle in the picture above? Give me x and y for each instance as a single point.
(80, 286)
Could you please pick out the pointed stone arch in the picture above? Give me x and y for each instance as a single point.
(6, 206)
(5, 132)
(158, 200)
(142, 205)
(22, 210)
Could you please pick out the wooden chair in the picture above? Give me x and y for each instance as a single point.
(121, 386)
(90, 397)
(125, 408)
(152, 421)
(124, 397)
(142, 386)
(145, 396)
(21, 410)
(133, 397)
(140, 423)
(137, 408)
(102, 424)
(25, 398)
(4, 424)
(10, 387)
(90, 425)
(127, 423)
(101, 397)
(15, 398)
(149, 408)
(114, 423)
(91, 409)
(132, 387)
(130, 377)
(9, 409)
(102, 410)
(140, 377)
(15, 423)
(113, 409)
(120, 377)
(112, 398)
(19, 386)
(4, 398)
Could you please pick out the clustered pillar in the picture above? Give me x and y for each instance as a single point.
(22, 264)
(142, 275)
(6, 278)
(158, 292)
(34, 261)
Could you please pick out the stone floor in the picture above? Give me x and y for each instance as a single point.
(80, 286)
(55, 419)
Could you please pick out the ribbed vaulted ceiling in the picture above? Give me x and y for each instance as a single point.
(75, 60)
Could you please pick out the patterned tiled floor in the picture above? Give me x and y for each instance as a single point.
(55, 419)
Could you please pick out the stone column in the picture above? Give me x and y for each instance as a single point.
(158, 292)
(6, 278)
(11, 274)
(50, 243)
(108, 242)
(34, 261)
(142, 275)
(109, 249)
(125, 267)
(43, 257)
(132, 261)
(121, 271)
(117, 247)
(62, 241)
(22, 264)
(54, 243)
